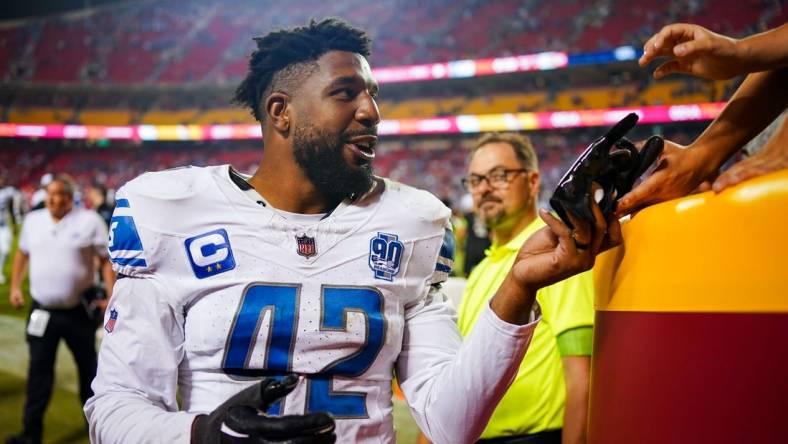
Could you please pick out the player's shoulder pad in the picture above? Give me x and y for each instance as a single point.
(419, 204)
(172, 184)
(426, 210)
(144, 213)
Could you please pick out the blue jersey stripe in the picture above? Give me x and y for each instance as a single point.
(447, 249)
(442, 268)
(130, 261)
(122, 203)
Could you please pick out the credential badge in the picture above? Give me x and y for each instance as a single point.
(306, 246)
(385, 255)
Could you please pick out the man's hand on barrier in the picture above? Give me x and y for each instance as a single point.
(772, 157)
(679, 171)
(242, 419)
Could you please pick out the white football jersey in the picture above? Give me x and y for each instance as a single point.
(220, 291)
(10, 205)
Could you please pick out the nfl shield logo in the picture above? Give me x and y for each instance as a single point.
(306, 246)
(110, 325)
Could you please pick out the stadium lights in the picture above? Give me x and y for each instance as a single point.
(464, 124)
(460, 69)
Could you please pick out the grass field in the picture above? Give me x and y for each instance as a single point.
(64, 422)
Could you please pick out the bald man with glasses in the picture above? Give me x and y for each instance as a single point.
(548, 401)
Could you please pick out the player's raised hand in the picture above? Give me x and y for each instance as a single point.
(693, 49)
(557, 252)
(679, 171)
(242, 419)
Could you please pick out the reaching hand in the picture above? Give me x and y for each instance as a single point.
(694, 50)
(679, 171)
(242, 419)
(556, 252)
(773, 157)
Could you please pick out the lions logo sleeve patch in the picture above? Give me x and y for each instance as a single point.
(210, 253)
(445, 260)
(125, 246)
(385, 255)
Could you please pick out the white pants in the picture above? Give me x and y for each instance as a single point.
(5, 241)
(5, 248)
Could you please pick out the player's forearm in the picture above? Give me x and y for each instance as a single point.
(765, 51)
(452, 387)
(512, 303)
(759, 100)
(18, 270)
(126, 417)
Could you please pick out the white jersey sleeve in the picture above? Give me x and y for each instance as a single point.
(145, 215)
(134, 393)
(452, 386)
(143, 345)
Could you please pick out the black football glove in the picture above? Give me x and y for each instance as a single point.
(613, 163)
(242, 419)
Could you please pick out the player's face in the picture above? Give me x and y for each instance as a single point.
(59, 201)
(335, 125)
(502, 203)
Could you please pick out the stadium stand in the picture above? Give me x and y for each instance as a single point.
(593, 97)
(199, 41)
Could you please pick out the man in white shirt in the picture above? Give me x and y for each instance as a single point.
(60, 244)
(312, 267)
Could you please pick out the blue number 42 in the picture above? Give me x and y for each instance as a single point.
(282, 301)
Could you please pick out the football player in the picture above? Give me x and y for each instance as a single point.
(10, 216)
(279, 306)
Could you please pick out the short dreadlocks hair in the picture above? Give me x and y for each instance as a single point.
(284, 58)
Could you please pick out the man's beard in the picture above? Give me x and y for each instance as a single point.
(501, 216)
(319, 155)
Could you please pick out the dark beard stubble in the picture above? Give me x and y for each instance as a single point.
(319, 155)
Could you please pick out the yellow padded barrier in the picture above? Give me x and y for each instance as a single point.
(703, 253)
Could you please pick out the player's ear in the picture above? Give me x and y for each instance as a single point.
(277, 111)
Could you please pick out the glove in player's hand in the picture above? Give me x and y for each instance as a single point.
(242, 419)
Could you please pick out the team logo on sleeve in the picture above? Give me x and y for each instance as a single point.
(210, 253)
(306, 246)
(385, 255)
(125, 245)
(113, 317)
(445, 258)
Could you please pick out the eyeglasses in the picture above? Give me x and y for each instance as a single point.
(495, 179)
